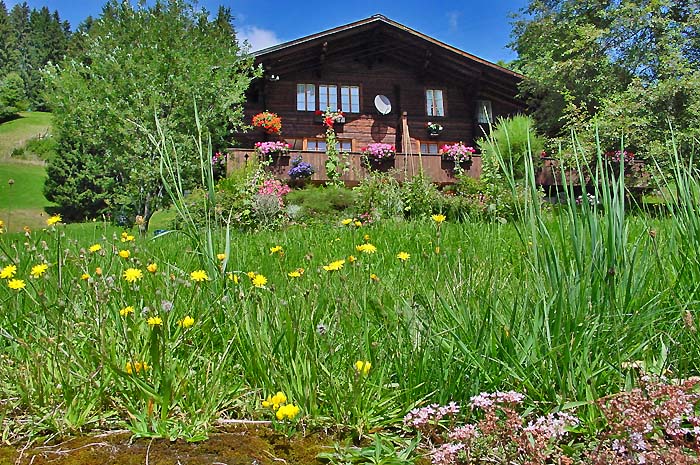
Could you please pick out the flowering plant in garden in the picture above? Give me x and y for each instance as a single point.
(272, 148)
(300, 169)
(618, 156)
(270, 122)
(434, 128)
(379, 151)
(274, 188)
(457, 153)
(331, 117)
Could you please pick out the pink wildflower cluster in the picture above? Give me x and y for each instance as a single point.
(620, 155)
(430, 415)
(486, 400)
(273, 187)
(272, 148)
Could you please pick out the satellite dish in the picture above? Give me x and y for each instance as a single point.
(383, 104)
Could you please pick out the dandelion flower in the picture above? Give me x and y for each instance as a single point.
(155, 321)
(152, 267)
(124, 253)
(366, 238)
(346, 221)
(362, 367)
(358, 223)
(98, 271)
(334, 266)
(366, 248)
(53, 220)
(233, 277)
(259, 280)
(288, 412)
(276, 249)
(126, 310)
(251, 274)
(8, 272)
(403, 256)
(296, 273)
(274, 402)
(438, 218)
(352, 259)
(374, 277)
(132, 275)
(221, 256)
(199, 276)
(84, 276)
(186, 322)
(95, 248)
(38, 270)
(136, 367)
(126, 237)
(16, 284)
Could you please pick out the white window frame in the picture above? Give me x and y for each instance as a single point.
(435, 102)
(306, 97)
(349, 100)
(328, 97)
(484, 112)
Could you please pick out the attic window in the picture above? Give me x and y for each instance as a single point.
(434, 102)
(327, 98)
(484, 115)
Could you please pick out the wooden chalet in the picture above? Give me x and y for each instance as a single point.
(389, 81)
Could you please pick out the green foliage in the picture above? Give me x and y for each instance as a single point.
(42, 147)
(321, 202)
(137, 64)
(380, 196)
(12, 97)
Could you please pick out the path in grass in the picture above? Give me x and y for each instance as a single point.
(17, 132)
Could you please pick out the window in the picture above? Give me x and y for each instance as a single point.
(306, 97)
(434, 102)
(429, 148)
(319, 145)
(484, 115)
(350, 99)
(328, 98)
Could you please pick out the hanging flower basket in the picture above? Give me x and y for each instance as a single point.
(379, 152)
(434, 129)
(271, 149)
(457, 153)
(329, 118)
(270, 122)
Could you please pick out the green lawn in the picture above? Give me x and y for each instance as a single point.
(22, 203)
(17, 132)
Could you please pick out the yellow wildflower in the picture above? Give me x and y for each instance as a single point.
(95, 248)
(152, 267)
(186, 322)
(155, 321)
(136, 367)
(334, 266)
(366, 248)
(403, 256)
(124, 253)
(276, 249)
(275, 401)
(126, 237)
(438, 218)
(437, 249)
(366, 238)
(288, 412)
(132, 275)
(352, 259)
(84, 276)
(296, 273)
(16, 284)
(53, 220)
(199, 276)
(259, 280)
(251, 274)
(362, 367)
(221, 256)
(8, 272)
(374, 277)
(98, 271)
(346, 221)
(38, 270)
(358, 223)
(233, 277)
(126, 310)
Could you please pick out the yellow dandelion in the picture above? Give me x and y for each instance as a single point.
(132, 275)
(233, 277)
(362, 367)
(352, 259)
(403, 256)
(366, 248)
(296, 273)
(124, 253)
(374, 277)
(8, 272)
(334, 266)
(251, 274)
(84, 276)
(136, 367)
(98, 271)
(126, 310)
(38, 270)
(53, 220)
(259, 280)
(155, 321)
(95, 248)
(221, 256)
(276, 249)
(287, 412)
(186, 322)
(16, 284)
(152, 267)
(199, 276)
(346, 221)
(438, 218)
(366, 238)
(358, 223)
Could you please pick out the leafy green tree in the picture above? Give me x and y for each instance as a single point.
(12, 97)
(139, 64)
(7, 43)
(628, 66)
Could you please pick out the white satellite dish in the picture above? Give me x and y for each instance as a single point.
(383, 104)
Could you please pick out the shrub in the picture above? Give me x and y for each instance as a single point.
(513, 139)
(319, 201)
(43, 147)
(379, 194)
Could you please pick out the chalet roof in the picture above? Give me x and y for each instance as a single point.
(371, 38)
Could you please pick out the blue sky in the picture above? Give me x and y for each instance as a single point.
(480, 27)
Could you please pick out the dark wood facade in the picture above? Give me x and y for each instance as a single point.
(380, 57)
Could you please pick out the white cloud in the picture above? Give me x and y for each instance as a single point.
(257, 38)
(453, 20)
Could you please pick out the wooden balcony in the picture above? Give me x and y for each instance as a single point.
(403, 166)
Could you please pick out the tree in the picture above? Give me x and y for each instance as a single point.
(626, 65)
(7, 44)
(136, 65)
(12, 98)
